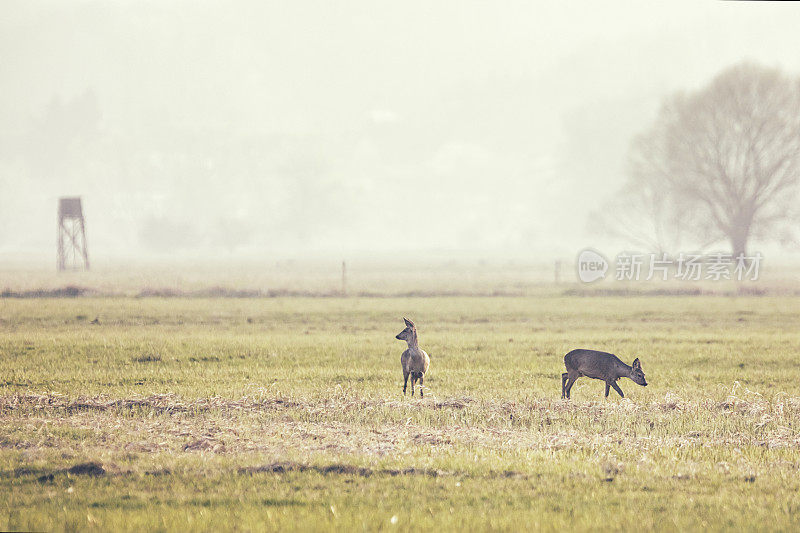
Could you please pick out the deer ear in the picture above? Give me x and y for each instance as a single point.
(408, 322)
(637, 364)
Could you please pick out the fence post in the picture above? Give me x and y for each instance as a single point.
(344, 279)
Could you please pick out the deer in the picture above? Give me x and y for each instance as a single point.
(599, 365)
(414, 360)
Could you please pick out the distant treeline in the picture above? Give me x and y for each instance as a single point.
(72, 291)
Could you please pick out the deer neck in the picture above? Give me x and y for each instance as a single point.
(413, 343)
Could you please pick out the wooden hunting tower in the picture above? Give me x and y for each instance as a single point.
(72, 253)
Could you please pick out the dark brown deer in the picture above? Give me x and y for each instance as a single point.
(599, 365)
(414, 360)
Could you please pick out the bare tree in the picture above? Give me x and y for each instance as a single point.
(725, 160)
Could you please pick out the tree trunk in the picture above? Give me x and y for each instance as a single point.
(740, 233)
(738, 245)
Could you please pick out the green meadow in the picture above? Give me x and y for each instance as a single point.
(254, 414)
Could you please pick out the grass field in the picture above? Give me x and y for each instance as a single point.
(287, 414)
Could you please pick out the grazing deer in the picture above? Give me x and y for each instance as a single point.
(599, 365)
(414, 360)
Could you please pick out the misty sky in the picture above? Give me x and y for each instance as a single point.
(259, 129)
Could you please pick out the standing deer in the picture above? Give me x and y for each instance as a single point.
(414, 360)
(599, 365)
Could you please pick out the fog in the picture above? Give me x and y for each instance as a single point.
(253, 129)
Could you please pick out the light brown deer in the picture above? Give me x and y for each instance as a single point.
(414, 360)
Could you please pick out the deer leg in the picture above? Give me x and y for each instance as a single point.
(616, 388)
(564, 377)
(405, 382)
(571, 382)
(608, 386)
(421, 379)
(413, 380)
